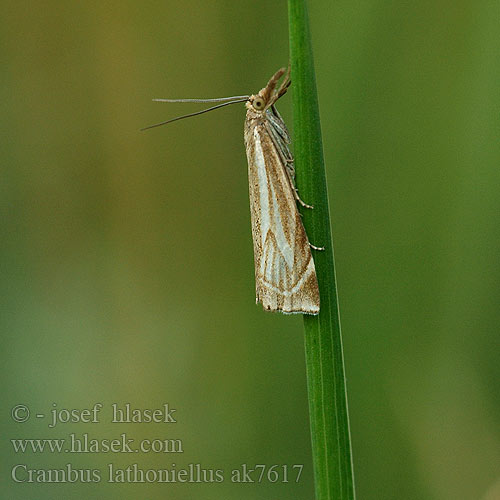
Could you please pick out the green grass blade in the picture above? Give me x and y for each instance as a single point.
(331, 445)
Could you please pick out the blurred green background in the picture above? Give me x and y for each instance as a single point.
(126, 257)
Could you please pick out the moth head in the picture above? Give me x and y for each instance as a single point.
(271, 92)
(257, 102)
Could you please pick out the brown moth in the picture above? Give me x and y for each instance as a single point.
(285, 276)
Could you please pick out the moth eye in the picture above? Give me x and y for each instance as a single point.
(258, 103)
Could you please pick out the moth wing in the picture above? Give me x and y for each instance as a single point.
(285, 276)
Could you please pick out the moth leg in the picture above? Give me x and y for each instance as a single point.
(290, 172)
(316, 248)
(297, 198)
(287, 159)
(289, 164)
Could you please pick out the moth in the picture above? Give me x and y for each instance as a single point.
(285, 276)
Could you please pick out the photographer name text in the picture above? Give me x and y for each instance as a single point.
(118, 414)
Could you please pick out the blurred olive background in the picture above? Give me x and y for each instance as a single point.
(126, 256)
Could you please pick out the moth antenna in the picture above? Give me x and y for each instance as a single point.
(285, 84)
(195, 113)
(267, 91)
(215, 99)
